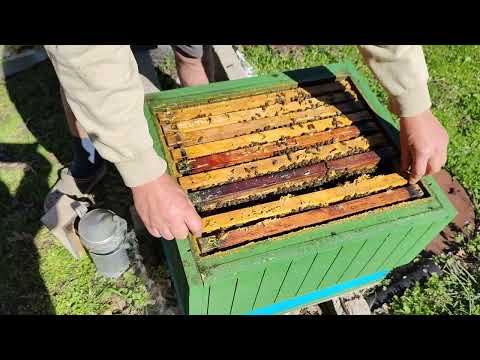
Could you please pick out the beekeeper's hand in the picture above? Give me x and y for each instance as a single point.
(166, 210)
(424, 144)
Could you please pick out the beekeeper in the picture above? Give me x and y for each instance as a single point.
(103, 91)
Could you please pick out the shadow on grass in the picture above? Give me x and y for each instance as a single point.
(35, 93)
(22, 290)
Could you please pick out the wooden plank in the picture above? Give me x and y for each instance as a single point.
(247, 286)
(327, 87)
(218, 91)
(290, 204)
(318, 269)
(354, 263)
(344, 258)
(434, 229)
(271, 227)
(391, 239)
(279, 163)
(272, 280)
(257, 187)
(363, 257)
(247, 102)
(253, 123)
(288, 180)
(298, 270)
(358, 162)
(267, 136)
(430, 232)
(234, 157)
(303, 108)
(221, 297)
(406, 244)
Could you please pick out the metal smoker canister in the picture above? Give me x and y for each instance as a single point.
(104, 235)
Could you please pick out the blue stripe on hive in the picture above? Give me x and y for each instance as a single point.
(298, 301)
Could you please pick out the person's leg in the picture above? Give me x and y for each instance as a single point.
(146, 68)
(208, 60)
(86, 160)
(190, 69)
(86, 169)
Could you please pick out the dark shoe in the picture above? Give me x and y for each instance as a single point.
(72, 187)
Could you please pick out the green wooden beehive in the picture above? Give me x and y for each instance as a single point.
(294, 175)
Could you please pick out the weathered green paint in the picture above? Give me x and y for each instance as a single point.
(318, 269)
(342, 261)
(272, 279)
(362, 257)
(260, 273)
(296, 274)
(214, 263)
(224, 90)
(417, 247)
(384, 248)
(245, 296)
(185, 274)
(221, 296)
(153, 130)
(337, 294)
(413, 235)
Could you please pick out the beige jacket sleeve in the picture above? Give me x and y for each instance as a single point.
(105, 92)
(402, 71)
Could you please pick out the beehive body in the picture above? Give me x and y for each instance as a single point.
(266, 253)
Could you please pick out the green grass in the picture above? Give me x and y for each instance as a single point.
(37, 275)
(455, 292)
(455, 91)
(75, 288)
(167, 72)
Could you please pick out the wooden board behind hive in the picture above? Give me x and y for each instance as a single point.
(263, 165)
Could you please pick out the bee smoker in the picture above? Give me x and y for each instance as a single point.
(103, 234)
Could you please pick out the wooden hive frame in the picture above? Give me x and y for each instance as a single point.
(306, 265)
